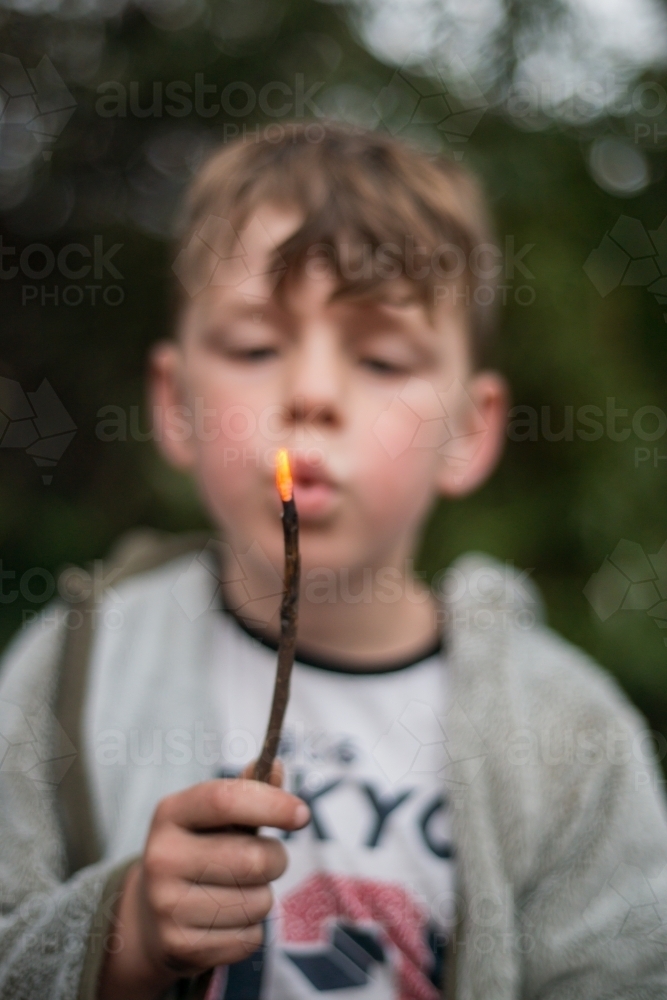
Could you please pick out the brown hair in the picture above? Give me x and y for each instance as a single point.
(369, 203)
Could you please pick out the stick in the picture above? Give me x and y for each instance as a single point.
(288, 622)
(202, 987)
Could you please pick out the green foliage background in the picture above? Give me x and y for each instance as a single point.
(557, 507)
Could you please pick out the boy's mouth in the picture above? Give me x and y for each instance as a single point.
(315, 493)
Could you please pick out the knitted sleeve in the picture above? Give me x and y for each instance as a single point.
(54, 929)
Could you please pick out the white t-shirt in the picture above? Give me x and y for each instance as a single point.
(366, 904)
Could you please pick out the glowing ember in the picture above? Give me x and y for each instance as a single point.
(283, 475)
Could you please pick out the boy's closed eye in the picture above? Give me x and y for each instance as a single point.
(384, 366)
(254, 354)
(244, 344)
(391, 355)
(388, 360)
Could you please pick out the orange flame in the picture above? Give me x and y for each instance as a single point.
(283, 475)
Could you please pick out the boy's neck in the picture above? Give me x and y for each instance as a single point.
(343, 617)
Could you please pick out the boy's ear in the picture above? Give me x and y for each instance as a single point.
(477, 418)
(171, 426)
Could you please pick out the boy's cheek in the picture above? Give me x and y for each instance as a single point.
(398, 444)
(229, 471)
(235, 430)
(396, 485)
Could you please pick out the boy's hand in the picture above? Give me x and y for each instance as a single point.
(199, 894)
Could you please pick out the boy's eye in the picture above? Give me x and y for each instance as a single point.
(239, 344)
(382, 366)
(253, 353)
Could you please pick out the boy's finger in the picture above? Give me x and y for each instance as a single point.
(197, 949)
(214, 907)
(224, 801)
(277, 772)
(226, 859)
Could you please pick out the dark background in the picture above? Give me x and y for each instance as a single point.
(559, 177)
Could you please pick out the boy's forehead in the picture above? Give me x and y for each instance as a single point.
(249, 280)
(265, 229)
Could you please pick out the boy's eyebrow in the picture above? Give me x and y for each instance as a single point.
(393, 317)
(240, 309)
(422, 340)
(370, 314)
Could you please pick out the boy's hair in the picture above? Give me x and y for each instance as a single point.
(373, 206)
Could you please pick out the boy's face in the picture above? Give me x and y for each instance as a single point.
(374, 400)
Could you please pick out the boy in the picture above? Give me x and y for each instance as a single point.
(465, 802)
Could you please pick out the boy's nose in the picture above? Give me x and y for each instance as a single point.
(315, 382)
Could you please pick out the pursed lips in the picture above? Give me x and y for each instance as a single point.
(315, 491)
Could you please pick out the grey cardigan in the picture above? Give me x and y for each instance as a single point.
(559, 819)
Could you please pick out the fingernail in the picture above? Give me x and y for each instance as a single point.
(301, 814)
